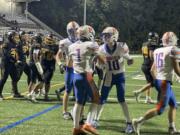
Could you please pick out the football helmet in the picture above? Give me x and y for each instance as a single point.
(110, 35)
(49, 40)
(71, 30)
(153, 37)
(13, 37)
(86, 32)
(36, 39)
(169, 39)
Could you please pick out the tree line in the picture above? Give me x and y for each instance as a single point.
(133, 18)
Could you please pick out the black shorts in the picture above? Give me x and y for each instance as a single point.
(147, 72)
(99, 72)
(34, 74)
(48, 74)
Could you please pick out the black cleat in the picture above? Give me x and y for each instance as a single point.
(58, 95)
(46, 98)
(18, 95)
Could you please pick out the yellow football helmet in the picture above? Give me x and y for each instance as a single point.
(49, 40)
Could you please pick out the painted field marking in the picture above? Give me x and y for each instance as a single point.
(12, 125)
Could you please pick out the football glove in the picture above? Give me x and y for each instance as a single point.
(130, 61)
(61, 68)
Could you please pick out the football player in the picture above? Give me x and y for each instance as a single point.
(115, 53)
(166, 59)
(24, 42)
(12, 57)
(49, 50)
(147, 52)
(63, 48)
(36, 67)
(79, 54)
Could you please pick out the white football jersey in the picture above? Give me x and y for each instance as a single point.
(80, 53)
(115, 57)
(163, 63)
(64, 44)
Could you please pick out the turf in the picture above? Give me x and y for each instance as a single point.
(51, 123)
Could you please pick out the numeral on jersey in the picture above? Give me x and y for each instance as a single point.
(159, 60)
(78, 55)
(113, 65)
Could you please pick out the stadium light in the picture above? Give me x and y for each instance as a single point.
(84, 12)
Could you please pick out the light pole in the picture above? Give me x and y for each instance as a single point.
(26, 11)
(85, 12)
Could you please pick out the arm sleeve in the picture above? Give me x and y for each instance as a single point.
(126, 52)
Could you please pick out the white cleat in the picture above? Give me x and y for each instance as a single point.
(149, 101)
(67, 116)
(173, 131)
(136, 126)
(137, 95)
(129, 128)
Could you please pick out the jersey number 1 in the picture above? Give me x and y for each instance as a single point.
(78, 55)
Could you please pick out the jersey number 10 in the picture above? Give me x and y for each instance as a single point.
(113, 65)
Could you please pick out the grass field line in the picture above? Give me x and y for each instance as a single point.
(12, 125)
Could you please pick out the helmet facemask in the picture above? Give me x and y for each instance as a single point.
(72, 30)
(110, 35)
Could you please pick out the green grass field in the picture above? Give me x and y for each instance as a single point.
(51, 123)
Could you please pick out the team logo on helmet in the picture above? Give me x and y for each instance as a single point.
(86, 32)
(169, 39)
(71, 30)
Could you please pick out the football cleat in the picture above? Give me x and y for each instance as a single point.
(78, 131)
(136, 126)
(173, 131)
(91, 129)
(18, 95)
(67, 116)
(149, 101)
(137, 95)
(46, 97)
(58, 95)
(129, 128)
(42, 92)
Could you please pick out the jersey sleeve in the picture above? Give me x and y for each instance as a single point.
(125, 49)
(175, 53)
(93, 48)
